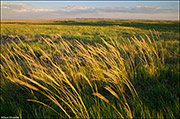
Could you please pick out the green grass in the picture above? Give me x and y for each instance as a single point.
(90, 69)
(89, 30)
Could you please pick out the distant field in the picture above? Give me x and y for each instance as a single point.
(89, 30)
(90, 69)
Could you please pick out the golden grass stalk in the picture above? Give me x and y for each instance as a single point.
(107, 101)
(115, 64)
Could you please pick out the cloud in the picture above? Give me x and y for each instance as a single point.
(126, 9)
(21, 7)
(74, 7)
(26, 11)
(41, 10)
(148, 10)
(77, 9)
(148, 7)
(15, 7)
(124, 12)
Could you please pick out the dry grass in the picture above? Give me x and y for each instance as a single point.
(62, 77)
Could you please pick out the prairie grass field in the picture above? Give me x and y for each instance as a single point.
(90, 69)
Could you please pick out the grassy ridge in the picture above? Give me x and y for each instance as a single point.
(54, 75)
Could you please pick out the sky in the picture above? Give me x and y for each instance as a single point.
(148, 10)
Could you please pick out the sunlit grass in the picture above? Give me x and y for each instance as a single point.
(113, 78)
